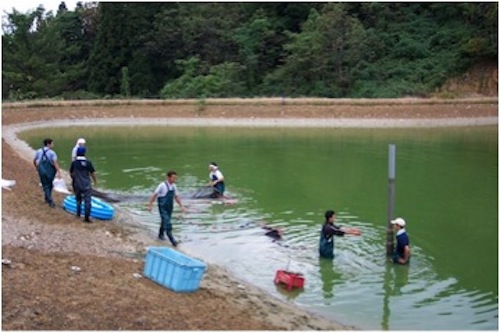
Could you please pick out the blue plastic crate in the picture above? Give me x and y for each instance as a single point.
(173, 270)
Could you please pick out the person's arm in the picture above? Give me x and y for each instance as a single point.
(406, 255)
(55, 163)
(35, 160)
(151, 200)
(352, 231)
(333, 231)
(179, 202)
(94, 178)
(91, 171)
(58, 169)
(338, 232)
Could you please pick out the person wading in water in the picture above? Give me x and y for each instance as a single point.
(329, 230)
(165, 194)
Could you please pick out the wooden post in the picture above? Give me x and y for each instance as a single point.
(390, 204)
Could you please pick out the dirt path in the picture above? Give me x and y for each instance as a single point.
(41, 291)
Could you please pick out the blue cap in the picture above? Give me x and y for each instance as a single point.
(80, 151)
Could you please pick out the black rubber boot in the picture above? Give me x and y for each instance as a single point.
(161, 235)
(87, 214)
(78, 209)
(171, 236)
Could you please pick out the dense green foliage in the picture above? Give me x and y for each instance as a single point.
(200, 50)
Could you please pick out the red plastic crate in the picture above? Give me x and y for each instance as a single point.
(290, 279)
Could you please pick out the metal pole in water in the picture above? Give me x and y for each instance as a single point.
(390, 204)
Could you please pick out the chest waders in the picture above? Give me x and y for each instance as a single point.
(219, 188)
(47, 173)
(166, 206)
(325, 246)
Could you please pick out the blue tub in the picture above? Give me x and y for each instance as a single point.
(99, 209)
(173, 270)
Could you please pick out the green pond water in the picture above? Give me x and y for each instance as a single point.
(446, 189)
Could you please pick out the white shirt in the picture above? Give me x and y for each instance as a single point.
(217, 174)
(400, 232)
(164, 187)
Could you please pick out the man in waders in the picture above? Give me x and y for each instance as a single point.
(216, 180)
(165, 194)
(46, 163)
(402, 254)
(329, 230)
(81, 170)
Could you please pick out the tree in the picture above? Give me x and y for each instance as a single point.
(125, 83)
(31, 52)
(120, 41)
(322, 58)
(256, 48)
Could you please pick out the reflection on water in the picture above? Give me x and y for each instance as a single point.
(359, 287)
(288, 178)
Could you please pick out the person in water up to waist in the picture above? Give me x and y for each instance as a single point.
(216, 180)
(329, 230)
(165, 194)
(402, 254)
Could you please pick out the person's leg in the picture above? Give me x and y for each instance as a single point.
(47, 189)
(43, 182)
(167, 226)
(161, 233)
(87, 197)
(221, 188)
(78, 196)
(165, 219)
(170, 236)
(50, 187)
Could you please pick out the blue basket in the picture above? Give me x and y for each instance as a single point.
(173, 269)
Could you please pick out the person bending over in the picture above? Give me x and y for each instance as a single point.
(216, 180)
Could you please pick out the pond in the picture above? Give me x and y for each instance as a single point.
(446, 189)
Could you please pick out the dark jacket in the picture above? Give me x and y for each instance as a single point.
(80, 171)
(326, 239)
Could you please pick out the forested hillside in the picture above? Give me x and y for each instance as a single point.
(201, 50)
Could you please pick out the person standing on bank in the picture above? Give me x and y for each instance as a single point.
(216, 180)
(329, 230)
(402, 254)
(46, 163)
(165, 194)
(81, 171)
(79, 143)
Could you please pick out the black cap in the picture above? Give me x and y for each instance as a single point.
(329, 213)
